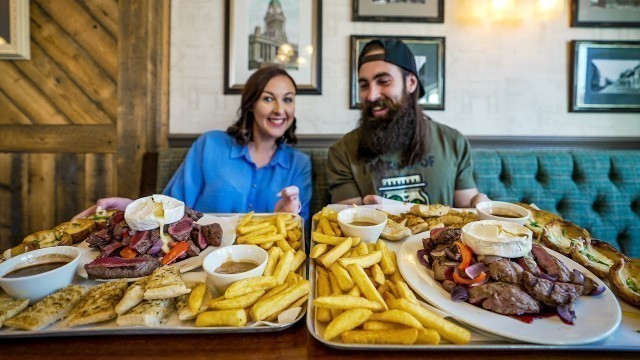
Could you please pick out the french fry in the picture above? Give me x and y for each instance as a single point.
(280, 225)
(355, 291)
(388, 296)
(237, 317)
(334, 254)
(348, 320)
(294, 235)
(318, 230)
(329, 213)
(427, 337)
(383, 288)
(392, 288)
(328, 239)
(397, 317)
(299, 302)
(249, 285)
(275, 290)
(342, 277)
(317, 250)
(366, 286)
(396, 277)
(245, 219)
(428, 319)
(263, 239)
(196, 297)
(279, 302)
(295, 245)
(378, 275)
(346, 302)
(386, 263)
(398, 336)
(364, 261)
(336, 228)
(405, 292)
(284, 245)
(240, 302)
(326, 228)
(363, 248)
(291, 278)
(283, 267)
(245, 229)
(371, 247)
(323, 288)
(298, 259)
(266, 246)
(267, 230)
(292, 224)
(274, 255)
(381, 325)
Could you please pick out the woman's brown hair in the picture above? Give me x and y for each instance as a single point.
(242, 129)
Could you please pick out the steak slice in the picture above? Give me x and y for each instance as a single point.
(141, 241)
(197, 237)
(117, 268)
(528, 264)
(195, 215)
(504, 270)
(99, 238)
(212, 233)
(503, 298)
(181, 229)
(552, 266)
(552, 293)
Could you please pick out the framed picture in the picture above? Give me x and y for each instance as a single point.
(431, 11)
(429, 56)
(605, 76)
(264, 32)
(14, 30)
(605, 13)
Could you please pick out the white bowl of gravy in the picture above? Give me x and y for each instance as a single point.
(36, 274)
(229, 264)
(502, 211)
(362, 222)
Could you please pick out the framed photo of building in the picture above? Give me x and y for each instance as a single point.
(266, 32)
(605, 13)
(428, 11)
(429, 57)
(605, 76)
(14, 30)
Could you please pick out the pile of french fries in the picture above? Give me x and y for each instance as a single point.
(363, 298)
(281, 286)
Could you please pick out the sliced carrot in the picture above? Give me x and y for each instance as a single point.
(174, 253)
(128, 253)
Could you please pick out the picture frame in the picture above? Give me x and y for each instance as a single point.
(430, 61)
(604, 76)
(423, 11)
(292, 39)
(14, 30)
(605, 13)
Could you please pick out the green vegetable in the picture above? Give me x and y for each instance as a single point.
(593, 258)
(631, 284)
(534, 223)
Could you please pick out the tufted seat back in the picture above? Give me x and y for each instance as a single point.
(597, 190)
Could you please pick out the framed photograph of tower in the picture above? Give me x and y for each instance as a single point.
(259, 33)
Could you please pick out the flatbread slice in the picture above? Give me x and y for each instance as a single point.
(10, 307)
(99, 304)
(182, 303)
(147, 313)
(165, 282)
(432, 210)
(394, 231)
(48, 310)
(133, 296)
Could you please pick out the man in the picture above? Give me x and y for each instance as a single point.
(397, 152)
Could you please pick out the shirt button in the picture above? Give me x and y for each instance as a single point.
(254, 186)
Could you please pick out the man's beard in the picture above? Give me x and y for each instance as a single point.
(387, 134)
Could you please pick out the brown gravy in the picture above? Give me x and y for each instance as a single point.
(235, 267)
(40, 266)
(504, 213)
(363, 222)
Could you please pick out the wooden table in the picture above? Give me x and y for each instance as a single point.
(293, 343)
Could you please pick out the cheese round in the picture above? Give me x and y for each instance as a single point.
(500, 238)
(150, 212)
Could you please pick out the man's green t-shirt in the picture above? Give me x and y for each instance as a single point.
(447, 167)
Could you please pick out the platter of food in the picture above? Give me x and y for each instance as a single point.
(228, 237)
(596, 316)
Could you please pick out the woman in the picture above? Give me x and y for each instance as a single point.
(251, 166)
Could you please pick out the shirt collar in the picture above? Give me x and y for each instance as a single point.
(279, 158)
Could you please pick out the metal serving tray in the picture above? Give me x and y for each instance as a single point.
(173, 325)
(625, 338)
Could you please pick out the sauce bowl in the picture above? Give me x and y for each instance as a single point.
(351, 219)
(37, 286)
(502, 211)
(236, 253)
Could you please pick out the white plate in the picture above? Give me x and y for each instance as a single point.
(596, 316)
(228, 237)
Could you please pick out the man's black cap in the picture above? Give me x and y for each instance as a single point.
(395, 52)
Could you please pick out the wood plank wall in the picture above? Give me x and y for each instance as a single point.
(76, 119)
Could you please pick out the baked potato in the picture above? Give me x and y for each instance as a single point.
(624, 277)
(538, 220)
(78, 229)
(42, 239)
(561, 235)
(597, 256)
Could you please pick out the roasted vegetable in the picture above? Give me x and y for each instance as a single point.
(597, 256)
(42, 239)
(560, 236)
(538, 220)
(624, 277)
(78, 229)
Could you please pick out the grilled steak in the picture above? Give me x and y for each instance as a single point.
(528, 264)
(99, 238)
(181, 229)
(197, 237)
(141, 241)
(195, 215)
(505, 270)
(552, 293)
(115, 267)
(552, 266)
(212, 233)
(503, 298)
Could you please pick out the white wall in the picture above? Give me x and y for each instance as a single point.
(500, 79)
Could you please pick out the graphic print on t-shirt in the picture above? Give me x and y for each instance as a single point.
(407, 188)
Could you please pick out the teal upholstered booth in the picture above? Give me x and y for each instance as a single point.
(598, 190)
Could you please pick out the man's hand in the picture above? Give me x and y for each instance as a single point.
(290, 201)
(112, 203)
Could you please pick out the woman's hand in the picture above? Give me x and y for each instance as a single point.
(290, 201)
(111, 203)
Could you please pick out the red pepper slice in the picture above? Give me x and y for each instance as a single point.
(467, 255)
(174, 253)
(460, 280)
(128, 253)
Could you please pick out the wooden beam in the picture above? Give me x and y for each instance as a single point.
(54, 138)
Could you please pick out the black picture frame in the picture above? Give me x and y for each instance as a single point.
(245, 49)
(428, 11)
(431, 73)
(584, 13)
(604, 76)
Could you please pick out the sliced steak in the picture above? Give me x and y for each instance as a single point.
(442, 268)
(446, 236)
(99, 238)
(589, 285)
(552, 266)
(181, 229)
(195, 215)
(197, 237)
(117, 268)
(110, 248)
(552, 293)
(503, 298)
(193, 249)
(141, 241)
(212, 233)
(528, 264)
(504, 270)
